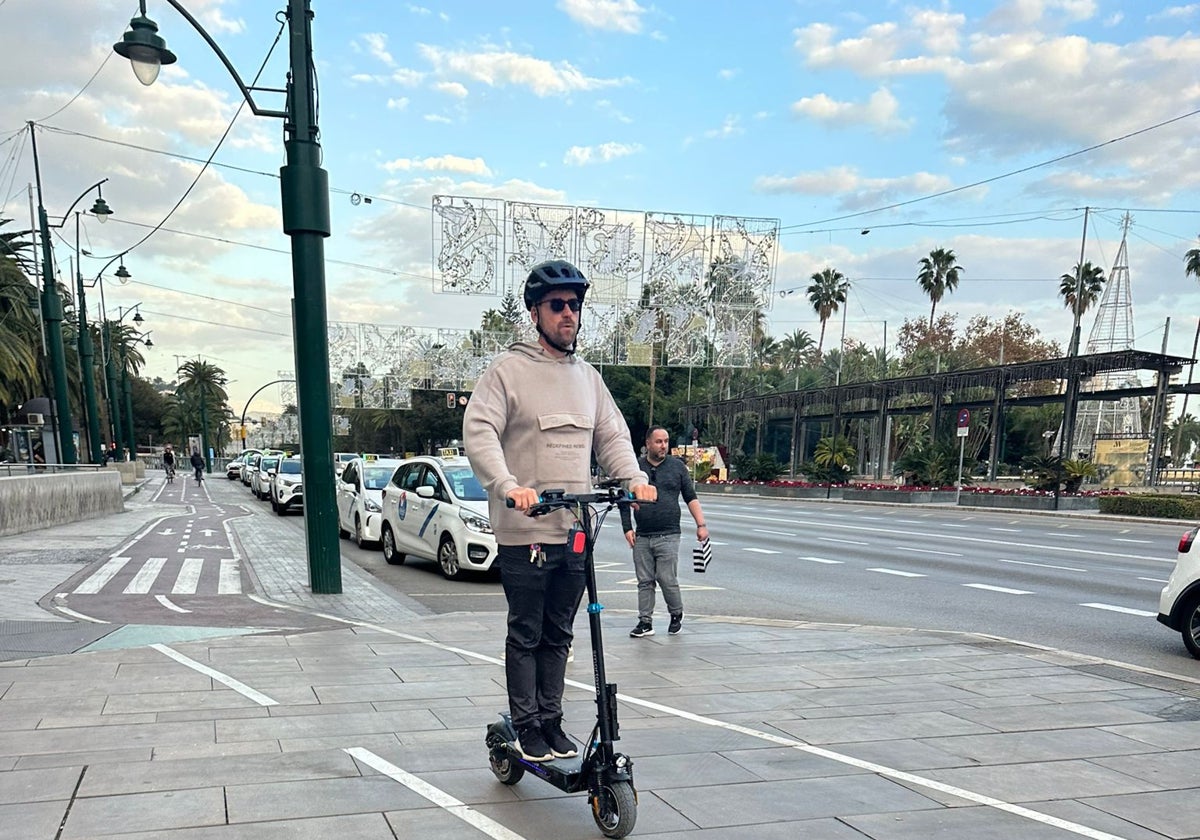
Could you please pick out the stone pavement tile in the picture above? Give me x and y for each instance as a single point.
(465, 751)
(57, 668)
(156, 812)
(59, 721)
(328, 709)
(668, 736)
(977, 823)
(462, 683)
(766, 677)
(1039, 781)
(827, 829)
(374, 742)
(1077, 812)
(904, 754)
(892, 694)
(29, 720)
(768, 763)
(31, 821)
(210, 750)
(1054, 716)
(806, 799)
(475, 701)
(1064, 680)
(1167, 771)
(353, 827)
(1175, 813)
(309, 726)
(55, 783)
(727, 701)
(822, 712)
(181, 774)
(878, 727)
(214, 701)
(1048, 745)
(103, 738)
(79, 759)
(182, 679)
(1174, 735)
(319, 798)
(432, 823)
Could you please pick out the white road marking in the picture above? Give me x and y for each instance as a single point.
(953, 525)
(102, 576)
(144, 579)
(1043, 565)
(230, 580)
(822, 560)
(871, 767)
(166, 602)
(435, 795)
(1007, 530)
(1003, 589)
(79, 615)
(896, 572)
(1116, 609)
(926, 551)
(1128, 540)
(844, 542)
(776, 533)
(238, 686)
(908, 521)
(189, 576)
(1153, 580)
(761, 551)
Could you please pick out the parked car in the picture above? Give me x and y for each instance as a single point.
(234, 468)
(359, 495)
(262, 475)
(436, 508)
(1179, 603)
(287, 485)
(249, 465)
(340, 460)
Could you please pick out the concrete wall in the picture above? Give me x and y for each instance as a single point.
(42, 500)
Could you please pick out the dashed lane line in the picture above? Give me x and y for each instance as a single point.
(896, 572)
(1124, 610)
(1001, 589)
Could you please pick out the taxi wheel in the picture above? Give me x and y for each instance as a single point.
(448, 559)
(360, 539)
(342, 532)
(390, 554)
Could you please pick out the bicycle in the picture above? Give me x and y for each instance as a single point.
(199, 476)
(170, 468)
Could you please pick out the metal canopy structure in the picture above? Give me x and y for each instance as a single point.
(996, 387)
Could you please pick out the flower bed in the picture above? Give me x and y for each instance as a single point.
(1021, 498)
(779, 488)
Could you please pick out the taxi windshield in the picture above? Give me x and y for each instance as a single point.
(465, 485)
(376, 478)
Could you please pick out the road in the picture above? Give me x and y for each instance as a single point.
(1071, 582)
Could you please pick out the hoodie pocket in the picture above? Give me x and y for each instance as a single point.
(564, 448)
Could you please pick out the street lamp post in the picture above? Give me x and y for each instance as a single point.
(130, 436)
(52, 309)
(305, 200)
(87, 355)
(106, 348)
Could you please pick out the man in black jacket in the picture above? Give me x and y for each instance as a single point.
(655, 542)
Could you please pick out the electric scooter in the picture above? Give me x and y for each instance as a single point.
(605, 774)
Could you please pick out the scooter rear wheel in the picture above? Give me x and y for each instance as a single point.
(615, 809)
(506, 769)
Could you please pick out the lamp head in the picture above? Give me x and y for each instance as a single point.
(137, 318)
(123, 274)
(147, 341)
(101, 210)
(144, 48)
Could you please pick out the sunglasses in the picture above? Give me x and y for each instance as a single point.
(558, 304)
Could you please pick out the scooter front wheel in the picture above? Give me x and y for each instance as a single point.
(615, 808)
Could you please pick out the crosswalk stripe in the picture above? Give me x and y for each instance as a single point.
(230, 580)
(102, 576)
(189, 577)
(144, 579)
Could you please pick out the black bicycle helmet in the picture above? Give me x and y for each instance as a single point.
(553, 274)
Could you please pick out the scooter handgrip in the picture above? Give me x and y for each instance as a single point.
(509, 503)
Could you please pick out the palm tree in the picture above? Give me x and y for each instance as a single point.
(1090, 285)
(20, 343)
(1191, 263)
(202, 399)
(826, 293)
(794, 351)
(939, 274)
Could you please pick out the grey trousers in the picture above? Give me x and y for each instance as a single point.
(656, 560)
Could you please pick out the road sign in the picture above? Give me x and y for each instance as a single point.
(964, 418)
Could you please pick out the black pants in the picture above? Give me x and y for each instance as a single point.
(542, 603)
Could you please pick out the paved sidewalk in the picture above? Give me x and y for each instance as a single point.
(737, 729)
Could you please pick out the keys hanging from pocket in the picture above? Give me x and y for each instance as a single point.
(536, 555)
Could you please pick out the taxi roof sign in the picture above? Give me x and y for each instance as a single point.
(449, 452)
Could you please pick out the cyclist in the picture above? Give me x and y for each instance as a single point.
(168, 457)
(534, 420)
(197, 461)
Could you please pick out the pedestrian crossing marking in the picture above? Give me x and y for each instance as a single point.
(230, 580)
(144, 579)
(106, 573)
(189, 577)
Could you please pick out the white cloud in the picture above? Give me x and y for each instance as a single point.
(610, 15)
(418, 10)
(728, 73)
(444, 163)
(214, 20)
(375, 44)
(437, 118)
(730, 127)
(606, 107)
(880, 111)
(1176, 12)
(397, 104)
(603, 153)
(455, 89)
(497, 68)
(854, 190)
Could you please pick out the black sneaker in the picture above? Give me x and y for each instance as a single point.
(676, 624)
(560, 745)
(644, 628)
(532, 743)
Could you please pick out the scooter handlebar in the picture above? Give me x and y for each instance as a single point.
(549, 500)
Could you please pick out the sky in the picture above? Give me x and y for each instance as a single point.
(873, 131)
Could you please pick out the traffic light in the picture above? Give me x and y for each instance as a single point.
(451, 401)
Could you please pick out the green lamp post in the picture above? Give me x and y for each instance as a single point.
(305, 200)
(87, 350)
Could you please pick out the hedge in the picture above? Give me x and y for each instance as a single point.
(1161, 507)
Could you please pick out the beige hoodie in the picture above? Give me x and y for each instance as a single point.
(534, 420)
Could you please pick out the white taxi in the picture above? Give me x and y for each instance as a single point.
(359, 496)
(436, 508)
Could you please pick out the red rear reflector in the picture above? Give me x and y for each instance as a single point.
(1185, 542)
(578, 542)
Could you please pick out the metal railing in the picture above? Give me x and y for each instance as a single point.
(9, 469)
